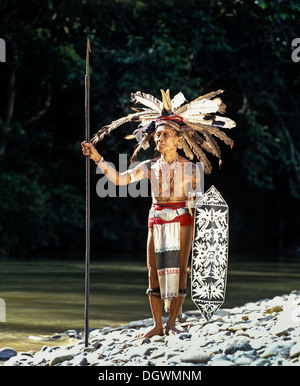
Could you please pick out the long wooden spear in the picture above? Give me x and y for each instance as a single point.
(87, 194)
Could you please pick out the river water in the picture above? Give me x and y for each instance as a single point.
(44, 297)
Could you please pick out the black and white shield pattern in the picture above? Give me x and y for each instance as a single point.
(210, 253)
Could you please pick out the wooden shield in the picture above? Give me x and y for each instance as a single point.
(210, 253)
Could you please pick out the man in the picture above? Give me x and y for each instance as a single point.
(170, 193)
(172, 178)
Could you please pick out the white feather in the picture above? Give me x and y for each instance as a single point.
(178, 100)
(198, 119)
(147, 100)
(223, 122)
(204, 106)
(216, 121)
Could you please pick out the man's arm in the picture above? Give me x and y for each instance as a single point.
(135, 174)
(196, 192)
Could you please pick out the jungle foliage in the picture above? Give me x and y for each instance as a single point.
(243, 47)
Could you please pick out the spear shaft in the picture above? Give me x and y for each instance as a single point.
(87, 194)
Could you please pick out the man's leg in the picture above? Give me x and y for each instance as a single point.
(154, 299)
(186, 238)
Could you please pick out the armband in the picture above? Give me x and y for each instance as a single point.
(132, 178)
(98, 162)
(195, 195)
(193, 198)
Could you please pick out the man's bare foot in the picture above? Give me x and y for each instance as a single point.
(151, 332)
(172, 330)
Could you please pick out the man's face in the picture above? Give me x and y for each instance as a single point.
(166, 139)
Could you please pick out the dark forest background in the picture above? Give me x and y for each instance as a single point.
(243, 47)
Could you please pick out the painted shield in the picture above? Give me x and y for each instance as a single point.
(210, 253)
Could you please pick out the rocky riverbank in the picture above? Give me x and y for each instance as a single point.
(262, 333)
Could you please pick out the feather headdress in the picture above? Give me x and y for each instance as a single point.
(196, 122)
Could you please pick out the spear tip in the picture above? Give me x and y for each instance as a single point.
(88, 45)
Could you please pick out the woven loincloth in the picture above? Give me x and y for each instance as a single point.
(166, 235)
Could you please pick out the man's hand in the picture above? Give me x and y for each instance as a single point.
(89, 150)
(191, 203)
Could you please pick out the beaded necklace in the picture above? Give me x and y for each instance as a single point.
(163, 185)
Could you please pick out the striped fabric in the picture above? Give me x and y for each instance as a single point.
(167, 253)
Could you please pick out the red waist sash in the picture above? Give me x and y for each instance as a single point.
(184, 219)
